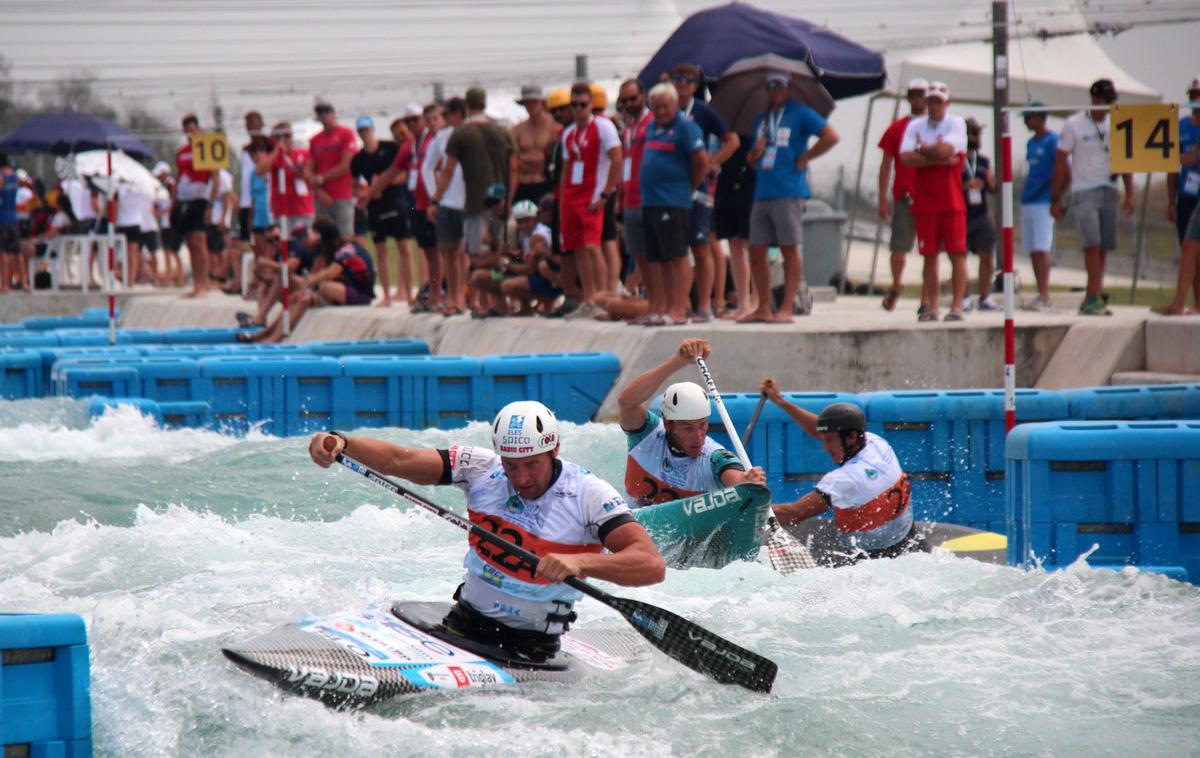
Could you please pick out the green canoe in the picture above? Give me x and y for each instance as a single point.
(710, 530)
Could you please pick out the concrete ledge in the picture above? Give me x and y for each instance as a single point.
(1153, 377)
(1092, 352)
(1173, 344)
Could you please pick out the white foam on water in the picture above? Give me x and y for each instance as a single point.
(924, 655)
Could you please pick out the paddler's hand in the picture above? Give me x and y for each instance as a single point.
(324, 448)
(770, 389)
(555, 567)
(691, 349)
(756, 476)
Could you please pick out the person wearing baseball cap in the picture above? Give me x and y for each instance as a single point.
(978, 182)
(1183, 207)
(935, 145)
(898, 210)
(328, 168)
(1037, 225)
(1083, 175)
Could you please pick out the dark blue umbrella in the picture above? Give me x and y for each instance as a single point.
(715, 38)
(70, 131)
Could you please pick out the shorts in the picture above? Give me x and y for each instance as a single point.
(449, 227)
(938, 230)
(777, 221)
(1037, 228)
(580, 229)
(635, 234)
(666, 233)
(361, 226)
(424, 230)
(216, 239)
(10, 239)
(700, 223)
(731, 212)
(150, 241)
(389, 225)
(244, 224)
(171, 240)
(1192, 233)
(132, 234)
(608, 232)
(1095, 213)
(342, 213)
(904, 226)
(1184, 206)
(542, 287)
(981, 235)
(473, 230)
(24, 228)
(533, 192)
(355, 296)
(190, 216)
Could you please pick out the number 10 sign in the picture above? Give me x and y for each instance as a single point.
(1144, 139)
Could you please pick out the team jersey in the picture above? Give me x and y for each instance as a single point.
(357, 269)
(904, 177)
(327, 149)
(654, 473)
(1086, 141)
(416, 178)
(939, 188)
(1040, 154)
(573, 516)
(1189, 176)
(192, 184)
(666, 171)
(870, 496)
(289, 191)
(634, 141)
(455, 195)
(585, 159)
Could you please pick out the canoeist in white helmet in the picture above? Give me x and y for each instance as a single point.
(670, 453)
(524, 492)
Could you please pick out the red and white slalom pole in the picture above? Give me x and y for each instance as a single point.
(112, 254)
(1010, 350)
(285, 296)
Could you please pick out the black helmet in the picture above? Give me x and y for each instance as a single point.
(842, 417)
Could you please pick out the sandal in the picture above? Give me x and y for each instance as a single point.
(954, 316)
(928, 315)
(889, 300)
(245, 320)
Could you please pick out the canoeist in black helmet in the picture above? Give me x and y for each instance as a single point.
(868, 491)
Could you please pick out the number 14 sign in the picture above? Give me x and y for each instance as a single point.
(1145, 139)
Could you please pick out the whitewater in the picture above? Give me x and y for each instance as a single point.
(171, 544)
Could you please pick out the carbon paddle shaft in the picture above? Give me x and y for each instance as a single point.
(762, 400)
(686, 642)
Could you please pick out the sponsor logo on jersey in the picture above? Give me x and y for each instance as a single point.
(872, 474)
(491, 576)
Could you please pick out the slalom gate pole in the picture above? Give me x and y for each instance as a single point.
(285, 295)
(112, 255)
(1010, 352)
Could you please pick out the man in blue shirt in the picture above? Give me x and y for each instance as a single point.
(1037, 225)
(781, 154)
(673, 165)
(10, 239)
(1183, 190)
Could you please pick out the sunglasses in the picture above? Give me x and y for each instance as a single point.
(283, 135)
(685, 79)
(628, 100)
(322, 111)
(580, 104)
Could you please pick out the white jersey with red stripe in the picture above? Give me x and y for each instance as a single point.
(585, 159)
(870, 496)
(570, 517)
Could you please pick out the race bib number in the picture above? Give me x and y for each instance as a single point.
(577, 172)
(627, 173)
(768, 161)
(1191, 185)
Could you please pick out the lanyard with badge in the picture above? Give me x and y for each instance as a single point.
(631, 135)
(579, 138)
(1103, 143)
(777, 137)
(974, 194)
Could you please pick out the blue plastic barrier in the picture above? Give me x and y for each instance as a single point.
(415, 391)
(29, 339)
(572, 384)
(381, 391)
(84, 377)
(98, 406)
(51, 323)
(45, 693)
(102, 312)
(1162, 401)
(276, 348)
(338, 349)
(195, 352)
(20, 373)
(91, 337)
(951, 443)
(52, 355)
(293, 394)
(1129, 487)
(168, 379)
(201, 336)
(11, 328)
(193, 414)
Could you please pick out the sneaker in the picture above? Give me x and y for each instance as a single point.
(1094, 307)
(583, 311)
(988, 304)
(968, 305)
(1038, 305)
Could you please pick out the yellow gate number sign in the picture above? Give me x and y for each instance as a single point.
(210, 151)
(1144, 139)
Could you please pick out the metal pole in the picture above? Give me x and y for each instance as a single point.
(581, 68)
(999, 83)
(879, 223)
(1139, 248)
(439, 93)
(862, 156)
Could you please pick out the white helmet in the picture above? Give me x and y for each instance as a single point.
(685, 401)
(523, 429)
(523, 209)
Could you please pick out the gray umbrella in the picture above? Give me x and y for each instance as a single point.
(740, 95)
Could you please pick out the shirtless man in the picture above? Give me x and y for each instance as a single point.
(534, 138)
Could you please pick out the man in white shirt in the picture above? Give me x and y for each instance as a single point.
(1083, 169)
(446, 205)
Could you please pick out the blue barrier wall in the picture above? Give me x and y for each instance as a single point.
(1129, 487)
(340, 348)
(572, 384)
(20, 373)
(1163, 401)
(45, 693)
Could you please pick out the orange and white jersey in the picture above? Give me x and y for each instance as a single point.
(870, 496)
(574, 515)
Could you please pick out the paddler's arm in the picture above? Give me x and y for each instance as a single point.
(417, 465)
(812, 504)
(732, 477)
(632, 560)
(806, 419)
(632, 401)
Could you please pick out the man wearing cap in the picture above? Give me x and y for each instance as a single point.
(978, 182)
(1037, 225)
(1082, 175)
(533, 139)
(898, 210)
(670, 453)
(386, 205)
(720, 142)
(782, 155)
(934, 145)
(328, 170)
(1184, 193)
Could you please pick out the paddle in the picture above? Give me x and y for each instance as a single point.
(690, 644)
(762, 400)
(785, 554)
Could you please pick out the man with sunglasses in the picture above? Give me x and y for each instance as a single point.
(328, 169)
(386, 205)
(638, 118)
(591, 173)
(721, 142)
(291, 200)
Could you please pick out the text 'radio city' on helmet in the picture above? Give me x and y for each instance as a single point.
(524, 428)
